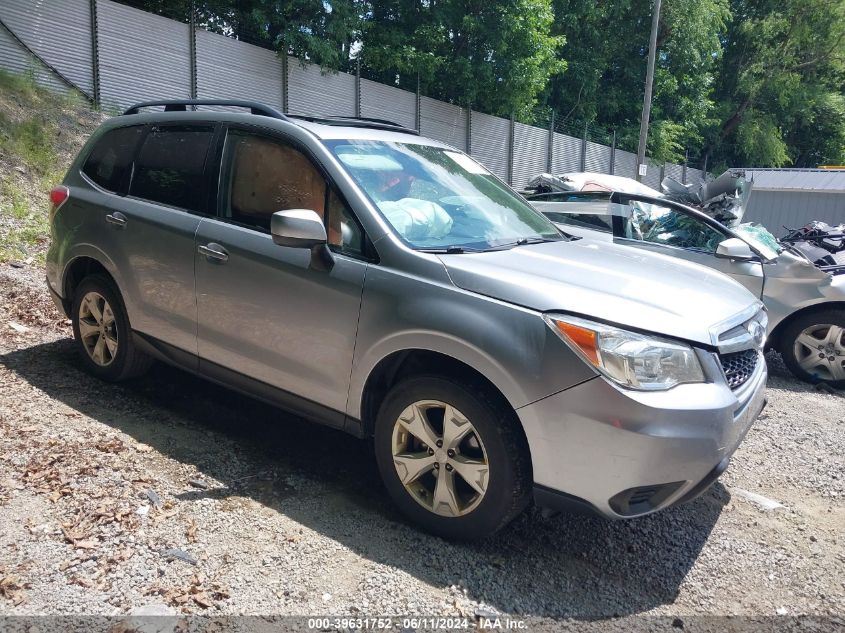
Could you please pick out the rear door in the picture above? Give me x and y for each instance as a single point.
(149, 232)
(266, 311)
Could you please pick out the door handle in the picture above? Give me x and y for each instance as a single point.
(213, 251)
(116, 218)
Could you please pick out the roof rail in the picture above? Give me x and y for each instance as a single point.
(181, 105)
(356, 121)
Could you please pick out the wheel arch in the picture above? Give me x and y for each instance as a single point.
(77, 270)
(401, 364)
(775, 342)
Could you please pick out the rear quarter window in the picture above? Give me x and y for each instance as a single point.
(170, 164)
(109, 162)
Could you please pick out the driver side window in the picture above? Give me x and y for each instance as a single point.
(664, 225)
(266, 175)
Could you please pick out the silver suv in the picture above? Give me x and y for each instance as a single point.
(388, 285)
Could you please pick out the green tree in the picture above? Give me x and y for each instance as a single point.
(607, 47)
(781, 84)
(496, 55)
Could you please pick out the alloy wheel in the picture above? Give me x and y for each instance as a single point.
(97, 329)
(820, 351)
(440, 458)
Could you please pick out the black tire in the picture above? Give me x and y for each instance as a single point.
(128, 361)
(794, 329)
(509, 479)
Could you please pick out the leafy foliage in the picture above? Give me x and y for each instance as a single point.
(497, 56)
(607, 48)
(781, 80)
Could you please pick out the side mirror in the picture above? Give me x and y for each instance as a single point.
(297, 228)
(735, 249)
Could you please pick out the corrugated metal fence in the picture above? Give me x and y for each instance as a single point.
(117, 55)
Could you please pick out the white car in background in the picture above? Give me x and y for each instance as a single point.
(806, 304)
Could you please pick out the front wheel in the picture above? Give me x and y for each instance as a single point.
(452, 456)
(813, 347)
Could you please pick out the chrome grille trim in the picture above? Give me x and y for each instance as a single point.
(735, 335)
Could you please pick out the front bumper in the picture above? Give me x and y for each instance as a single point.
(626, 453)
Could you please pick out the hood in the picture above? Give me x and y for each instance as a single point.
(607, 282)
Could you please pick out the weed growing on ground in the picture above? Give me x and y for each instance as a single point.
(30, 166)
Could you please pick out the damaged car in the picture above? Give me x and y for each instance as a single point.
(803, 291)
(821, 243)
(362, 276)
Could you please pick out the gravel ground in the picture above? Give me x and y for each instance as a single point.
(169, 495)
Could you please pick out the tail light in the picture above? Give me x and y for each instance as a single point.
(58, 196)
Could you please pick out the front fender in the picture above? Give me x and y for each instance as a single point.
(796, 287)
(432, 341)
(510, 345)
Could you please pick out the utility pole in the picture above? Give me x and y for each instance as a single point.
(649, 81)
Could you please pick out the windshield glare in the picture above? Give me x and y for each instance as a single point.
(436, 198)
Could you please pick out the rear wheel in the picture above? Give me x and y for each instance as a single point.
(813, 347)
(452, 456)
(102, 333)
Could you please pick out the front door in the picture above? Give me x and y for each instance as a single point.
(266, 311)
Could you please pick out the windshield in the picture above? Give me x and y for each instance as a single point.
(441, 199)
(760, 239)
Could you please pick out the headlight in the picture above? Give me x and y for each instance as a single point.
(629, 359)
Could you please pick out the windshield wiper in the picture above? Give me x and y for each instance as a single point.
(450, 250)
(457, 250)
(523, 241)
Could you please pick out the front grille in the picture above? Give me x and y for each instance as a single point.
(739, 366)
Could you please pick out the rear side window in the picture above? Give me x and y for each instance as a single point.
(109, 162)
(169, 166)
